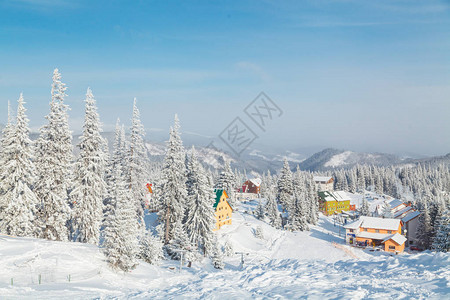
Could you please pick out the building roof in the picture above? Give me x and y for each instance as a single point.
(322, 178)
(380, 223)
(394, 203)
(256, 181)
(402, 211)
(353, 225)
(334, 196)
(373, 235)
(398, 238)
(219, 193)
(410, 216)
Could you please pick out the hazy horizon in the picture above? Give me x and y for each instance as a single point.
(370, 76)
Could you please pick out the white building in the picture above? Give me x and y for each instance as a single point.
(324, 183)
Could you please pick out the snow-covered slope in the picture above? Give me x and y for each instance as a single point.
(334, 158)
(283, 265)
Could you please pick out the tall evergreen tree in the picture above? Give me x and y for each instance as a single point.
(441, 242)
(89, 184)
(227, 182)
(17, 179)
(424, 229)
(364, 210)
(138, 166)
(120, 234)
(172, 189)
(54, 166)
(201, 220)
(285, 186)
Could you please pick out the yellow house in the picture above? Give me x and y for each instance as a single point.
(223, 209)
(332, 202)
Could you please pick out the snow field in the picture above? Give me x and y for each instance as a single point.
(283, 265)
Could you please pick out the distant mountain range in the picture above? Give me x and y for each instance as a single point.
(259, 159)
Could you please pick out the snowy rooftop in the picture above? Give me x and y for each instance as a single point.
(353, 225)
(335, 196)
(322, 178)
(380, 223)
(373, 235)
(256, 181)
(398, 238)
(402, 211)
(394, 203)
(410, 216)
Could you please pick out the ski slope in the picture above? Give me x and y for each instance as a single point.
(283, 265)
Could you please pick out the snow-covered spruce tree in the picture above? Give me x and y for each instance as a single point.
(364, 210)
(424, 229)
(172, 189)
(260, 211)
(5, 142)
(17, 179)
(53, 162)
(228, 248)
(200, 218)
(313, 214)
(271, 207)
(180, 244)
(226, 182)
(151, 249)
(259, 234)
(117, 160)
(120, 241)
(217, 259)
(297, 212)
(89, 184)
(138, 166)
(285, 186)
(441, 241)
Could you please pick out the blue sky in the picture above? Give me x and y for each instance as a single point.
(360, 75)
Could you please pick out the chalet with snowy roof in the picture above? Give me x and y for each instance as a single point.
(252, 186)
(410, 223)
(371, 231)
(223, 210)
(324, 183)
(333, 202)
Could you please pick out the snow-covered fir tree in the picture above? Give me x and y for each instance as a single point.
(226, 182)
(217, 259)
(117, 160)
(441, 241)
(180, 244)
(285, 186)
(313, 214)
(89, 184)
(200, 218)
(120, 241)
(297, 213)
(53, 162)
(424, 228)
(138, 165)
(151, 249)
(259, 232)
(364, 211)
(5, 142)
(228, 249)
(271, 208)
(172, 189)
(260, 211)
(17, 178)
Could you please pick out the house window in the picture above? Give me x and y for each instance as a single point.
(351, 230)
(377, 231)
(391, 247)
(365, 229)
(389, 231)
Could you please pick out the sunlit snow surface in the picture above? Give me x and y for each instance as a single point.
(284, 265)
